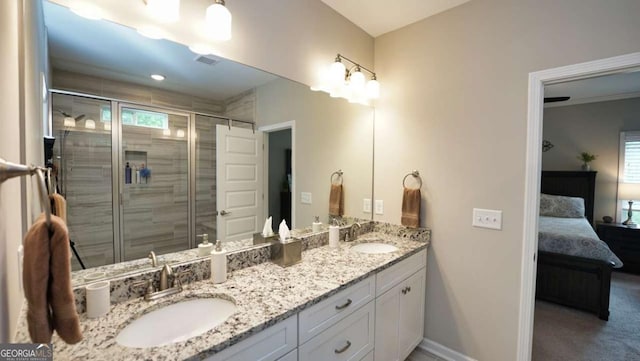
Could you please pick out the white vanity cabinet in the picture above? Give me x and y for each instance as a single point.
(277, 342)
(400, 308)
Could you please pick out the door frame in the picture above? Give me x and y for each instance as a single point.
(537, 81)
(266, 129)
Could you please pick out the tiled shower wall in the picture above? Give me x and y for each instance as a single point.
(155, 214)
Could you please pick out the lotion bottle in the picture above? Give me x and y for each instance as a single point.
(205, 248)
(316, 226)
(218, 264)
(334, 236)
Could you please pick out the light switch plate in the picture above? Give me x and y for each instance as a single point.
(379, 206)
(366, 205)
(305, 197)
(487, 218)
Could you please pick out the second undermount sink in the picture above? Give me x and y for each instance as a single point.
(176, 322)
(374, 248)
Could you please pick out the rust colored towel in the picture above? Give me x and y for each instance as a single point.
(47, 283)
(59, 206)
(336, 200)
(411, 208)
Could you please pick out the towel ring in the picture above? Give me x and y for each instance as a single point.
(415, 174)
(339, 174)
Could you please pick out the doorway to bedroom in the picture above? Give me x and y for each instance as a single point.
(588, 152)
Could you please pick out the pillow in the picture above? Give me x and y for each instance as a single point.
(561, 206)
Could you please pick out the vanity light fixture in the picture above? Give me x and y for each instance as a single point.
(69, 122)
(164, 10)
(86, 10)
(218, 20)
(349, 83)
(180, 133)
(158, 77)
(201, 49)
(107, 126)
(166, 132)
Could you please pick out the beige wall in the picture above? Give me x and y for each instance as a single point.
(330, 134)
(454, 106)
(593, 128)
(20, 141)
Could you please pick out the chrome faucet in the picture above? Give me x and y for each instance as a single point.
(170, 284)
(152, 257)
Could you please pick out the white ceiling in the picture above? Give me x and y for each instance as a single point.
(598, 89)
(117, 52)
(377, 17)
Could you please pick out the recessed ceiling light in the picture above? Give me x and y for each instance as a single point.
(87, 10)
(157, 77)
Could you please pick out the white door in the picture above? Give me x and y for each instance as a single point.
(239, 184)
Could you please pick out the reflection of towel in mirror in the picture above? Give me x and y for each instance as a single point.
(59, 206)
(47, 283)
(336, 200)
(411, 208)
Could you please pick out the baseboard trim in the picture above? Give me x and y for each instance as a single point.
(442, 351)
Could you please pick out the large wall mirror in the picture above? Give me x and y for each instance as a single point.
(150, 165)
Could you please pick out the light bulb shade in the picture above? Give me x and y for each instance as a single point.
(164, 10)
(69, 122)
(201, 49)
(629, 191)
(166, 132)
(336, 75)
(87, 10)
(90, 124)
(357, 84)
(180, 133)
(151, 32)
(218, 20)
(373, 89)
(107, 126)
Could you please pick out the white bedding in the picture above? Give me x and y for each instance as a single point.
(573, 237)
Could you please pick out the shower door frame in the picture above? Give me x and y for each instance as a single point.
(117, 165)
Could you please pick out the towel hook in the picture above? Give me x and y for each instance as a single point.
(415, 174)
(339, 173)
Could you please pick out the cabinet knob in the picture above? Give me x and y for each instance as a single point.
(343, 349)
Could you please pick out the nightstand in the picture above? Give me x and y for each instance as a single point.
(624, 242)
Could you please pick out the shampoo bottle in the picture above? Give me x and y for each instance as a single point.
(316, 226)
(127, 174)
(218, 264)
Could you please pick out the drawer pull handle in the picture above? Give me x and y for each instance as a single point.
(345, 305)
(343, 349)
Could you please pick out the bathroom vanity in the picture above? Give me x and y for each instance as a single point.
(337, 303)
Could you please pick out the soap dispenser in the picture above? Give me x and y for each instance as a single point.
(316, 226)
(218, 264)
(205, 248)
(334, 235)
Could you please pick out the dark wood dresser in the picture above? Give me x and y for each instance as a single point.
(624, 242)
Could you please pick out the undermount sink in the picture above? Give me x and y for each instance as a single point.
(374, 248)
(176, 322)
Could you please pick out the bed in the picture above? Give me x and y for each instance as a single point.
(574, 266)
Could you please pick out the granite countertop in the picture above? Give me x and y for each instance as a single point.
(264, 295)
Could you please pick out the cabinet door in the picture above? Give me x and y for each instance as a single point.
(411, 313)
(387, 324)
(291, 356)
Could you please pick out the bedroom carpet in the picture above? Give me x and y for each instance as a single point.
(564, 334)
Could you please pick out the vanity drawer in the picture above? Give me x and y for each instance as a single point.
(393, 275)
(323, 315)
(267, 345)
(350, 339)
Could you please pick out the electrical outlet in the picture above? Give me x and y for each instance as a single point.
(305, 197)
(379, 206)
(366, 205)
(487, 218)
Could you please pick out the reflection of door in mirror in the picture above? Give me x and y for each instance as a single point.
(154, 182)
(239, 183)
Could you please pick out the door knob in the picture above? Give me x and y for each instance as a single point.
(224, 213)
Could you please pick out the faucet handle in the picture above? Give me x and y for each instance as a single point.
(148, 285)
(152, 257)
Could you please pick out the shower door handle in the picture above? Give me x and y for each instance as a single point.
(224, 213)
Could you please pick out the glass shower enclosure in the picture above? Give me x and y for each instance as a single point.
(136, 178)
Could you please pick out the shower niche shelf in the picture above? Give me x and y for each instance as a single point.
(137, 160)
